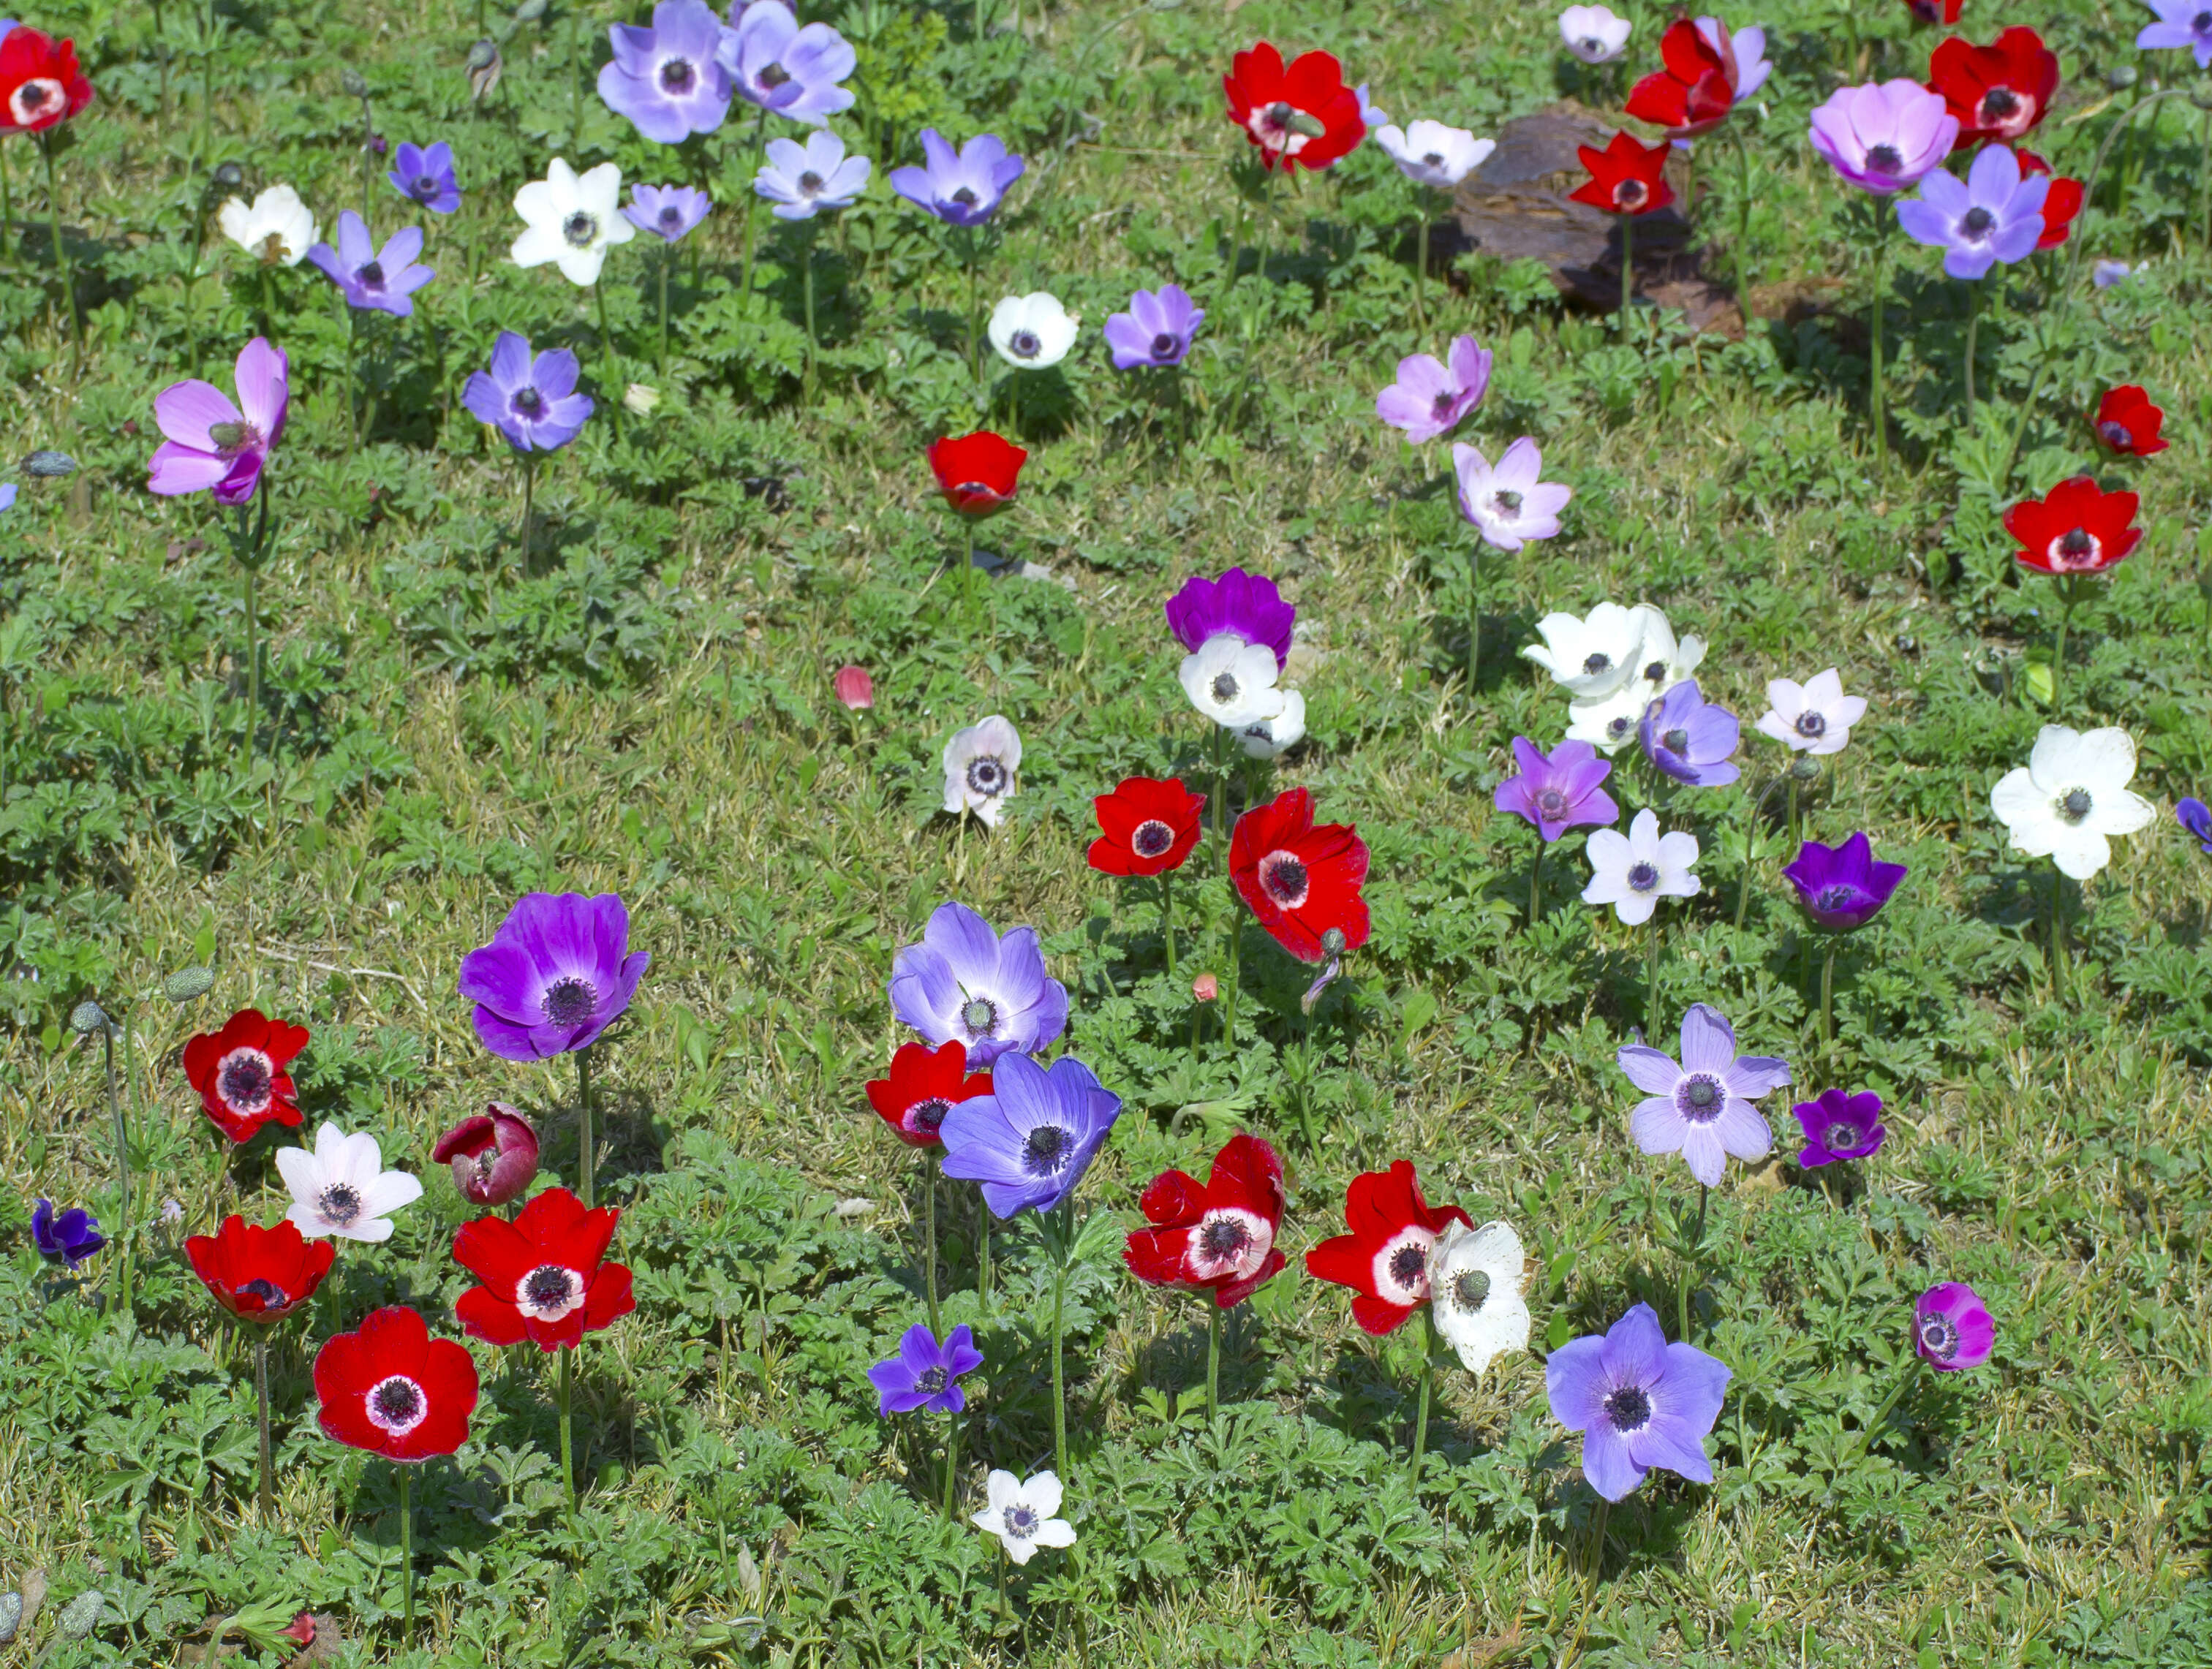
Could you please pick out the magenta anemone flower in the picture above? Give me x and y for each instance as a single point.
(963, 187)
(557, 974)
(1885, 137)
(1238, 604)
(1843, 888)
(1952, 1328)
(1690, 739)
(1156, 331)
(1640, 1402)
(1701, 1108)
(494, 1154)
(380, 281)
(1839, 1126)
(1431, 395)
(669, 79)
(424, 175)
(213, 446)
(1559, 792)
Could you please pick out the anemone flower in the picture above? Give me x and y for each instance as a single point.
(1640, 1402)
(571, 220)
(1302, 116)
(982, 762)
(1843, 888)
(1508, 505)
(242, 1073)
(1839, 1126)
(212, 446)
(1032, 332)
(1474, 1292)
(531, 400)
(494, 1154)
(1432, 397)
(1248, 607)
(2070, 797)
(1701, 1108)
(804, 180)
(1157, 330)
(371, 279)
(925, 1373)
(1024, 1516)
(1690, 739)
(2182, 26)
(784, 68)
(2002, 91)
(340, 1186)
(667, 79)
(68, 1237)
(668, 212)
(1634, 872)
(276, 228)
(1814, 717)
(1886, 138)
(962, 188)
(1994, 216)
(1592, 34)
(424, 176)
(1952, 1328)
(962, 982)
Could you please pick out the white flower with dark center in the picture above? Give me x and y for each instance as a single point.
(1271, 739)
(276, 229)
(1232, 682)
(342, 1188)
(1430, 154)
(571, 220)
(1474, 1282)
(1022, 1515)
(2072, 794)
(1634, 872)
(1814, 717)
(1594, 655)
(1592, 34)
(1662, 662)
(1032, 332)
(1608, 722)
(980, 764)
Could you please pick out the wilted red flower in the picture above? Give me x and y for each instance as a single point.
(1626, 178)
(2076, 529)
(1219, 1237)
(1302, 116)
(40, 84)
(259, 1274)
(924, 1085)
(2000, 91)
(494, 1154)
(855, 689)
(1149, 826)
(2061, 203)
(1301, 881)
(1694, 91)
(301, 1630)
(977, 472)
(240, 1072)
(2128, 423)
(543, 1278)
(1385, 1258)
(393, 1390)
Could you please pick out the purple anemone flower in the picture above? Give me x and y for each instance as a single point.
(962, 981)
(1640, 1402)
(557, 974)
(1431, 395)
(209, 444)
(424, 176)
(1843, 888)
(925, 1374)
(1839, 1126)
(533, 402)
(1952, 1328)
(1993, 216)
(1156, 331)
(961, 188)
(1556, 794)
(784, 68)
(72, 1235)
(2194, 816)
(669, 80)
(666, 211)
(2181, 24)
(1690, 739)
(1701, 1108)
(1029, 1142)
(803, 180)
(379, 280)
(1237, 604)
(7, 495)
(1885, 137)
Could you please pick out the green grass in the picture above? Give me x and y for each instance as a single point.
(644, 706)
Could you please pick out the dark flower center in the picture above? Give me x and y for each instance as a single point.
(1441, 408)
(1408, 1264)
(1592, 46)
(672, 217)
(1471, 1289)
(1676, 740)
(2201, 23)
(232, 439)
(1433, 158)
(986, 775)
(928, 1115)
(547, 1285)
(1551, 804)
(1700, 1099)
(1026, 344)
(811, 183)
(965, 197)
(1938, 1338)
(1811, 724)
(1277, 116)
(32, 95)
(1977, 223)
(1842, 1136)
(1286, 879)
(1642, 878)
(1047, 1150)
(1629, 1408)
(266, 1293)
(931, 1381)
(1163, 346)
(1884, 158)
(675, 75)
(1021, 1522)
(397, 1403)
(527, 403)
(426, 186)
(569, 1002)
(580, 228)
(1151, 838)
(1617, 729)
(773, 75)
(246, 1081)
(2118, 436)
(370, 276)
(1224, 1238)
(1839, 898)
(980, 1015)
(1508, 501)
(339, 1204)
(1654, 671)
(2076, 542)
(1593, 665)
(1224, 687)
(1630, 193)
(2073, 805)
(1998, 104)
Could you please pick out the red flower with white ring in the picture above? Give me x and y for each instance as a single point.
(923, 1086)
(259, 1274)
(1385, 1258)
(2076, 528)
(1148, 826)
(1302, 881)
(41, 85)
(544, 1279)
(2000, 91)
(1217, 1237)
(1302, 117)
(2128, 423)
(393, 1390)
(1625, 178)
(240, 1072)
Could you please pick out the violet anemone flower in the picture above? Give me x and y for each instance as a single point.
(1690, 739)
(2105, 274)
(1156, 331)
(666, 211)
(783, 68)
(1701, 1108)
(669, 79)
(1431, 395)
(1993, 216)
(1244, 606)
(1029, 1142)
(555, 975)
(532, 402)
(211, 445)
(962, 188)
(1508, 505)
(964, 981)
(1640, 1402)
(1839, 1126)
(1952, 1327)
(925, 1373)
(72, 1235)
(1559, 792)
(377, 280)
(1884, 138)
(424, 176)
(803, 180)
(2181, 24)
(2193, 814)
(1841, 887)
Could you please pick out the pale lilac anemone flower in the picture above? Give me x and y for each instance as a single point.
(1432, 397)
(1701, 1108)
(1993, 216)
(1885, 137)
(1509, 504)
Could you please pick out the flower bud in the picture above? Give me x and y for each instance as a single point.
(350, 79)
(1206, 988)
(229, 176)
(855, 689)
(2121, 76)
(49, 465)
(188, 983)
(640, 398)
(1805, 768)
(86, 1018)
(494, 1154)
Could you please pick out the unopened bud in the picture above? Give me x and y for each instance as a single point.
(1206, 988)
(229, 176)
(2121, 76)
(188, 983)
(1805, 768)
(640, 397)
(81, 1616)
(350, 79)
(88, 1017)
(49, 465)
(1333, 941)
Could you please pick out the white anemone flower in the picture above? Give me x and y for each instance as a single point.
(1592, 34)
(1814, 717)
(2072, 794)
(1634, 872)
(1232, 682)
(570, 219)
(276, 229)
(1662, 662)
(1474, 1292)
(1432, 154)
(980, 766)
(342, 1188)
(1032, 332)
(1593, 655)
(1024, 1516)
(1271, 739)
(1608, 722)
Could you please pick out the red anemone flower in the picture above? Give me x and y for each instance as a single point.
(393, 1390)
(977, 473)
(259, 1274)
(1302, 881)
(923, 1086)
(2000, 91)
(1625, 178)
(2128, 423)
(240, 1072)
(2060, 203)
(1694, 93)
(1936, 11)
(543, 1278)
(1385, 1258)
(1302, 116)
(1219, 1237)
(1149, 827)
(2076, 529)
(494, 1154)
(40, 84)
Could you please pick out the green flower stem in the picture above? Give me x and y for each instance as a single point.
(982, 1255)
(668, 260)
(1875, 388)
(1474, 616)
(1796, 839)
(1687, 1276)
(1421, 266)
(614, 390)
(2066, 600)
(1213, 1359)
(929, 1243)
(2060, 974)
(1827, 996)
(1167, 918)
(122, 1170)
(1973, 325)
(61, 250)
(1905, 1382)
(567, 1354)
(252, 660)
(584, 1127)
(951, 1467)
(529, 484)
(261, 1390)
(1627, 266)
(8, 208)
(745, 261)
(1651, 958)
(1536, 884)
(1743, 225)
(1428, 1377)
(1065, 1250)
(806, 289)
(1221, 787)
(407, 1553)
(1228, 996)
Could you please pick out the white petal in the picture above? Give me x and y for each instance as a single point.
(2119, 811)
(1043, 1493)
(2080, 853)
(303, 1176)
(1002, 1489)
(1055, 1532)
(389, 1192)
